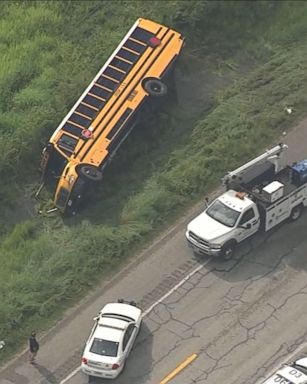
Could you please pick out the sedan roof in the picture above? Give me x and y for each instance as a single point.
(108, 333)
(113, 323)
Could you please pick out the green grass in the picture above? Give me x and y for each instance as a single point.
(50, 51)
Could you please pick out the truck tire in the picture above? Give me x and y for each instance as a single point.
(296, 212)
(228, 250)
(89, 172)
(155, 87)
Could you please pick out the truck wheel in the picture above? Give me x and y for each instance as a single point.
(228, 251)
(296, 212)
(155, 87)
(90, 172)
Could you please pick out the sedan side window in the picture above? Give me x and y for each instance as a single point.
(247, 216)
(128, 334)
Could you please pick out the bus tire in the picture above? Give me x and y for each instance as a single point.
(89, 172)
(296, 212)
(228, 250)
(155, 87)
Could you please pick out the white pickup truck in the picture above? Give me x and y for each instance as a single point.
(259, 195)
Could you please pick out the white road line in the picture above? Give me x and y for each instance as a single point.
(75, 371)
(145, 313)
(287, 360)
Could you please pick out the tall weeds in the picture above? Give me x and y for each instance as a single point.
(50, 51)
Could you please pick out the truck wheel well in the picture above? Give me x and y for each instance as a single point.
(228, 249)
(231, 242)
(296, 212)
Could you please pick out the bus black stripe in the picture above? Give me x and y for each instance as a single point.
(119, 123)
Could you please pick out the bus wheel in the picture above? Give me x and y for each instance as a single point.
(90, 172)
(155, 87)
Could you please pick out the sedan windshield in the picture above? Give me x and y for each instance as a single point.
(104, 347)
(223, 214)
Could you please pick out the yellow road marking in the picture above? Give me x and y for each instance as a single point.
(178, 369)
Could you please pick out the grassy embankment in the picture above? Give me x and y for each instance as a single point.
(50, 53)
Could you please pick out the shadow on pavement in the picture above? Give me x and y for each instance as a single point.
(265, 253)
(50, 378)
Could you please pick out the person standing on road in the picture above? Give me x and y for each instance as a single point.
(33, 347)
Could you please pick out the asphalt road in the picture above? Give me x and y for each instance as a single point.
(237, 320)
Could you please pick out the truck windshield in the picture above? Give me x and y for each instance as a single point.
(223, 214)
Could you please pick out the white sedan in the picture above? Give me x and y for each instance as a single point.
(111, 339)
(293, 373)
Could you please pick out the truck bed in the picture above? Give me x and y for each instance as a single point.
(284, 176)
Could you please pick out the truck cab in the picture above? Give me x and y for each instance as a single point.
(228, 220)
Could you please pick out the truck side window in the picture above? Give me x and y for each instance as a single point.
(247, 216)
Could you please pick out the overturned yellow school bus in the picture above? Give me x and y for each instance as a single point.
(88, 137)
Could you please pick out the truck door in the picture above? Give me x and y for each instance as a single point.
(248, 224)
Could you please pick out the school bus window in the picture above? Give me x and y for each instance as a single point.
(67, 142)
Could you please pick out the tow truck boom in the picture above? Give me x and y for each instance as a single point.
(271, 155)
